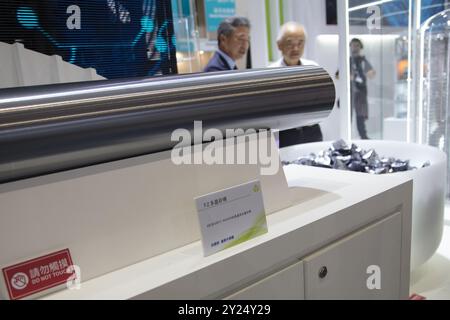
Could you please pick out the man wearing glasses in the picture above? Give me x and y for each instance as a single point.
(233, 37)
(291, 42)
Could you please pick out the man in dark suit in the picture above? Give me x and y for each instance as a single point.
(233, 38)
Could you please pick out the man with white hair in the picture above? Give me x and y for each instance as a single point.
(291, 42)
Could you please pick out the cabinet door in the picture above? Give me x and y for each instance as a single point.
(284, 285)
(353, 267)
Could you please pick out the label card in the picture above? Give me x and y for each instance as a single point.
(230, 217)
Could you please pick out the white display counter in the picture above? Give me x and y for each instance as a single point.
(132, 228)
(335, 223)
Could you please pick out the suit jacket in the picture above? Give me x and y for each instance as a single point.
(218, 63)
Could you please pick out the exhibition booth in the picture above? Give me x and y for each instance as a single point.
(127, 173)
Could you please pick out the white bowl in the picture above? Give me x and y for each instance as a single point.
(429, 188)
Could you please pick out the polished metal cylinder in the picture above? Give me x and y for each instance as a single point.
(47, 129)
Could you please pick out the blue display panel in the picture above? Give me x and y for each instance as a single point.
(119, 38)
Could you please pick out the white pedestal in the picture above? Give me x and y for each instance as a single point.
(132, 228)
(335, 222)
(429, 187)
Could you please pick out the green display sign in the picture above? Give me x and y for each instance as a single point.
(218, 10)
(183, 26)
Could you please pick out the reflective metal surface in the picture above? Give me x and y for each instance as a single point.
(46, 129)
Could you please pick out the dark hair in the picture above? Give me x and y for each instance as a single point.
(356, 40)
(229, 25)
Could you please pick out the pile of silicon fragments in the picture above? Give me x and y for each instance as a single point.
(353, 158)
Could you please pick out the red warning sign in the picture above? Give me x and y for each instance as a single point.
(36, 275)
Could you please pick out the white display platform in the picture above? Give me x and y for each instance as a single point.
(329, 208)
(132, 228)
(429, 187)
(117, 214)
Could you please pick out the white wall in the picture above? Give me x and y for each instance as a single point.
(326, 49)
(312, 14)
(256, 12)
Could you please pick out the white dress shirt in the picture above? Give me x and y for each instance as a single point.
(228, 59)
(304, 62)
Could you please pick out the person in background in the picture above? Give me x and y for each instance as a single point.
(360, 71)
(233, 37)
(291, 42)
